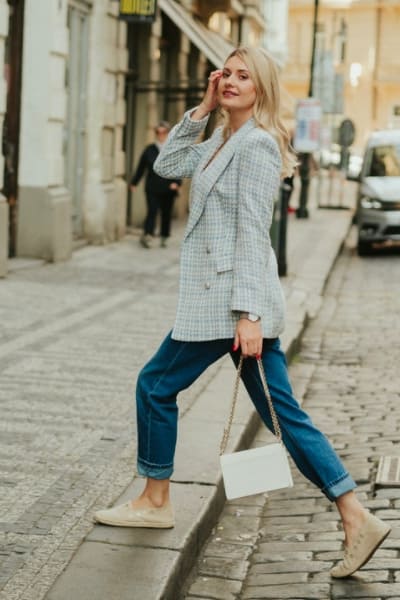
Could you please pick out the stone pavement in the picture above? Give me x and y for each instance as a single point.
(347, 371)
(73, 337)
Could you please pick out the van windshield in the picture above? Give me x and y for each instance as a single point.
(385, 161)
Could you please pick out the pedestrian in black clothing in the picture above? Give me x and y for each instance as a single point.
(160, 192)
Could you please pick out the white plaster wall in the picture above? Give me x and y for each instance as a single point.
(43, 97)
(58, 92)
(94, 198)
(44, 219)
(35, 95)
(104, 190)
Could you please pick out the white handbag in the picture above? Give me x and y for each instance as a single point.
(260, 469)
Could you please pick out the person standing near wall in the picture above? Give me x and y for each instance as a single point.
(160, 192)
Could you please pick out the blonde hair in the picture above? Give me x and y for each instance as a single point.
(266, 112)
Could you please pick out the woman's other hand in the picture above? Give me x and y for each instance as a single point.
(249, 337)
(210, 100)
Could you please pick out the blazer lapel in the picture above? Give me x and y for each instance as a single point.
(208, 174)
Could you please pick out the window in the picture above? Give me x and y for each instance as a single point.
(385, 161)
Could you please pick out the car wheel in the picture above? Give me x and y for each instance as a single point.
(364, 248)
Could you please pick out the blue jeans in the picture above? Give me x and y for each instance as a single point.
(177, 365)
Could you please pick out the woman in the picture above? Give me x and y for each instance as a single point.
(160, 192)
(230, 298)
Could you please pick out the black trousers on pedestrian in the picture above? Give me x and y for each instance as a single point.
(162, 203)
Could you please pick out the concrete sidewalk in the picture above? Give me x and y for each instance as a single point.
(72, 339)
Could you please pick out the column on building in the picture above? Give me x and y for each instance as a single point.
(253, 24)
(224, 17)
(104, 196)
(3, 92)
(120, 120)
(275, 34)
(387, 80)
(44, 215)
(183, 72)
(154, 58)
(142, 104)
(174, 70)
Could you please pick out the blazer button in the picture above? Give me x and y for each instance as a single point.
(207, 285)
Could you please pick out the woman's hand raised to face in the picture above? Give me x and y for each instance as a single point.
(210, 100)
(249, 337)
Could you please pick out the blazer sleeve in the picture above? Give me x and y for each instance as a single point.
(180, 155)
(259, 179)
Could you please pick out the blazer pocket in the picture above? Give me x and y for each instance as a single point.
(224, 263)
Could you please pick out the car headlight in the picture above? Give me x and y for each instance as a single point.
(371, 203)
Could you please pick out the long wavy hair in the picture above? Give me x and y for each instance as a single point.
(266, 111)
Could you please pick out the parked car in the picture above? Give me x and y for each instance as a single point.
(378, 202)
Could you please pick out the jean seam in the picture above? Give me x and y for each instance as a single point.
(151, 464)
(184, 344)
(287, 431)
(326, 489)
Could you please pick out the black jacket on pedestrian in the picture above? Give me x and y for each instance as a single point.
(154, 183)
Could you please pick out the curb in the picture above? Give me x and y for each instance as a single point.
(203, 527)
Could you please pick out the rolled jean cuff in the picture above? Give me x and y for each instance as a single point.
(149, 470)
(338, 488)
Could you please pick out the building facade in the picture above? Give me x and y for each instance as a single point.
(169, 62)
(63, 112)
(72, 114)
(358, 43)
(82, 92)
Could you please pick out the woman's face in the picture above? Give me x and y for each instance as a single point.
(236, 90)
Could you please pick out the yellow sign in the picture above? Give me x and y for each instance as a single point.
(137, 10)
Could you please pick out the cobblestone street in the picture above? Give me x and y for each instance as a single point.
(348, 375)
(74, 338)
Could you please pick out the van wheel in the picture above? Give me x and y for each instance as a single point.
(364, 248)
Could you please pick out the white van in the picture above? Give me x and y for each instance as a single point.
(378, 204)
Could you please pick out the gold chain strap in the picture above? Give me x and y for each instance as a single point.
(275, 421)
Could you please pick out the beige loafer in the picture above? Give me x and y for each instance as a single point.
(126, 516)
(371, 535)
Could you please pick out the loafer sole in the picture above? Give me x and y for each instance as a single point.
(126, 516)
(365, 559)
(136, 524)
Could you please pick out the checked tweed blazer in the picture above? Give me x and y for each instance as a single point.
(227, 263)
